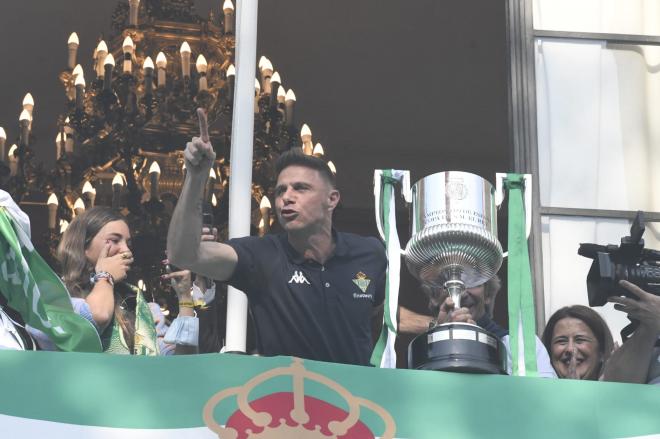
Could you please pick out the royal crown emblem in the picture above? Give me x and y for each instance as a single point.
(286, 415)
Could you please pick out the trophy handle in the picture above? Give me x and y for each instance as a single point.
(500, 194)
(404, 178)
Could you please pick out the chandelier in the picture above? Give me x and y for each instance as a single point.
(130, 109)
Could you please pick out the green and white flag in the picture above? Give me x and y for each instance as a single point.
(36, 292)
(72, 395)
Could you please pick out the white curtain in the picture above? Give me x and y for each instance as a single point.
(598, 135)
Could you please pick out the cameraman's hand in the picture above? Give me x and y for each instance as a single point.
(117, 265)
(646, 309)
(199, 154)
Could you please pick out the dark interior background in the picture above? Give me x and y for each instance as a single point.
(382, 84)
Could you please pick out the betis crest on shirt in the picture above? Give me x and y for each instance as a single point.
(362, 281)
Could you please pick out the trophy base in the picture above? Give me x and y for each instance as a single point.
(458, 347)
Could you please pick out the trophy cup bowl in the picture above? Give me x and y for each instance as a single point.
(454, 246)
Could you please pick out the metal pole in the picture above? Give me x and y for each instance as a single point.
(240, 182)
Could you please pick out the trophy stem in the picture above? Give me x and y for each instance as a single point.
(455, 287)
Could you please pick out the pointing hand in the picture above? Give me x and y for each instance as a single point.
(199, 154)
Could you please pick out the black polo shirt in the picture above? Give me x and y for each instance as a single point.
(308, 310)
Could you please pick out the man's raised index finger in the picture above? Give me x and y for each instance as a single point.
(203, 125)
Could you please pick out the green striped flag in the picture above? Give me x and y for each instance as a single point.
(37, 293)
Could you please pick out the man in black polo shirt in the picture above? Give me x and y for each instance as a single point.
(312, 290)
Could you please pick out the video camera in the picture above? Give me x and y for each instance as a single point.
(630, 261)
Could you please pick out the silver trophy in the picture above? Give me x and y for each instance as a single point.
(453, 240)
(454, 246)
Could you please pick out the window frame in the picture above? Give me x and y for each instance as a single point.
(522, 116)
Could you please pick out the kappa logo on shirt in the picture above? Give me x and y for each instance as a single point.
(299, 278)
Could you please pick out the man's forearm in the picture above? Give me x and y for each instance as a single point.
(184, 235)
(630, 363)
(412, 323)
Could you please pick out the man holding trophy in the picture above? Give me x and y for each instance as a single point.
(477, 305)
(455, 254)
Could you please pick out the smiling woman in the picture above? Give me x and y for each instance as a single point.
(579, 342)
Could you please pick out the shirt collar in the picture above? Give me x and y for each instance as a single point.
(341, 247)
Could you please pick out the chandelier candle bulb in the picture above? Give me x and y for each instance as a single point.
(68, 143)
(332, 167)
(161, 63)
(306, 134)
(58, 146)
(289, 107)
(24, 123)
(275, 82)
(3, 140)
(78, 206)
(148, 67)
(52, 204)
(264, 208)
(266, 68)
(281, 95)
(109, 65)
(257, 91)
(127, 47)
(133, 12)
(318, 150)
(154, 175)
(201, 66)
(185, 59)
(306, 137)
(231, 80)
(209, 184)
(228, 9)
(117, 185)
(101, 53)
(80, 92)
(73, 44)
(71, 91)
(77, 70)
(89, 192)
(28, 103)
(12, 159)
(214, 200)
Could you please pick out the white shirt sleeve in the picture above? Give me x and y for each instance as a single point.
(543, 365)
(183, 331)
